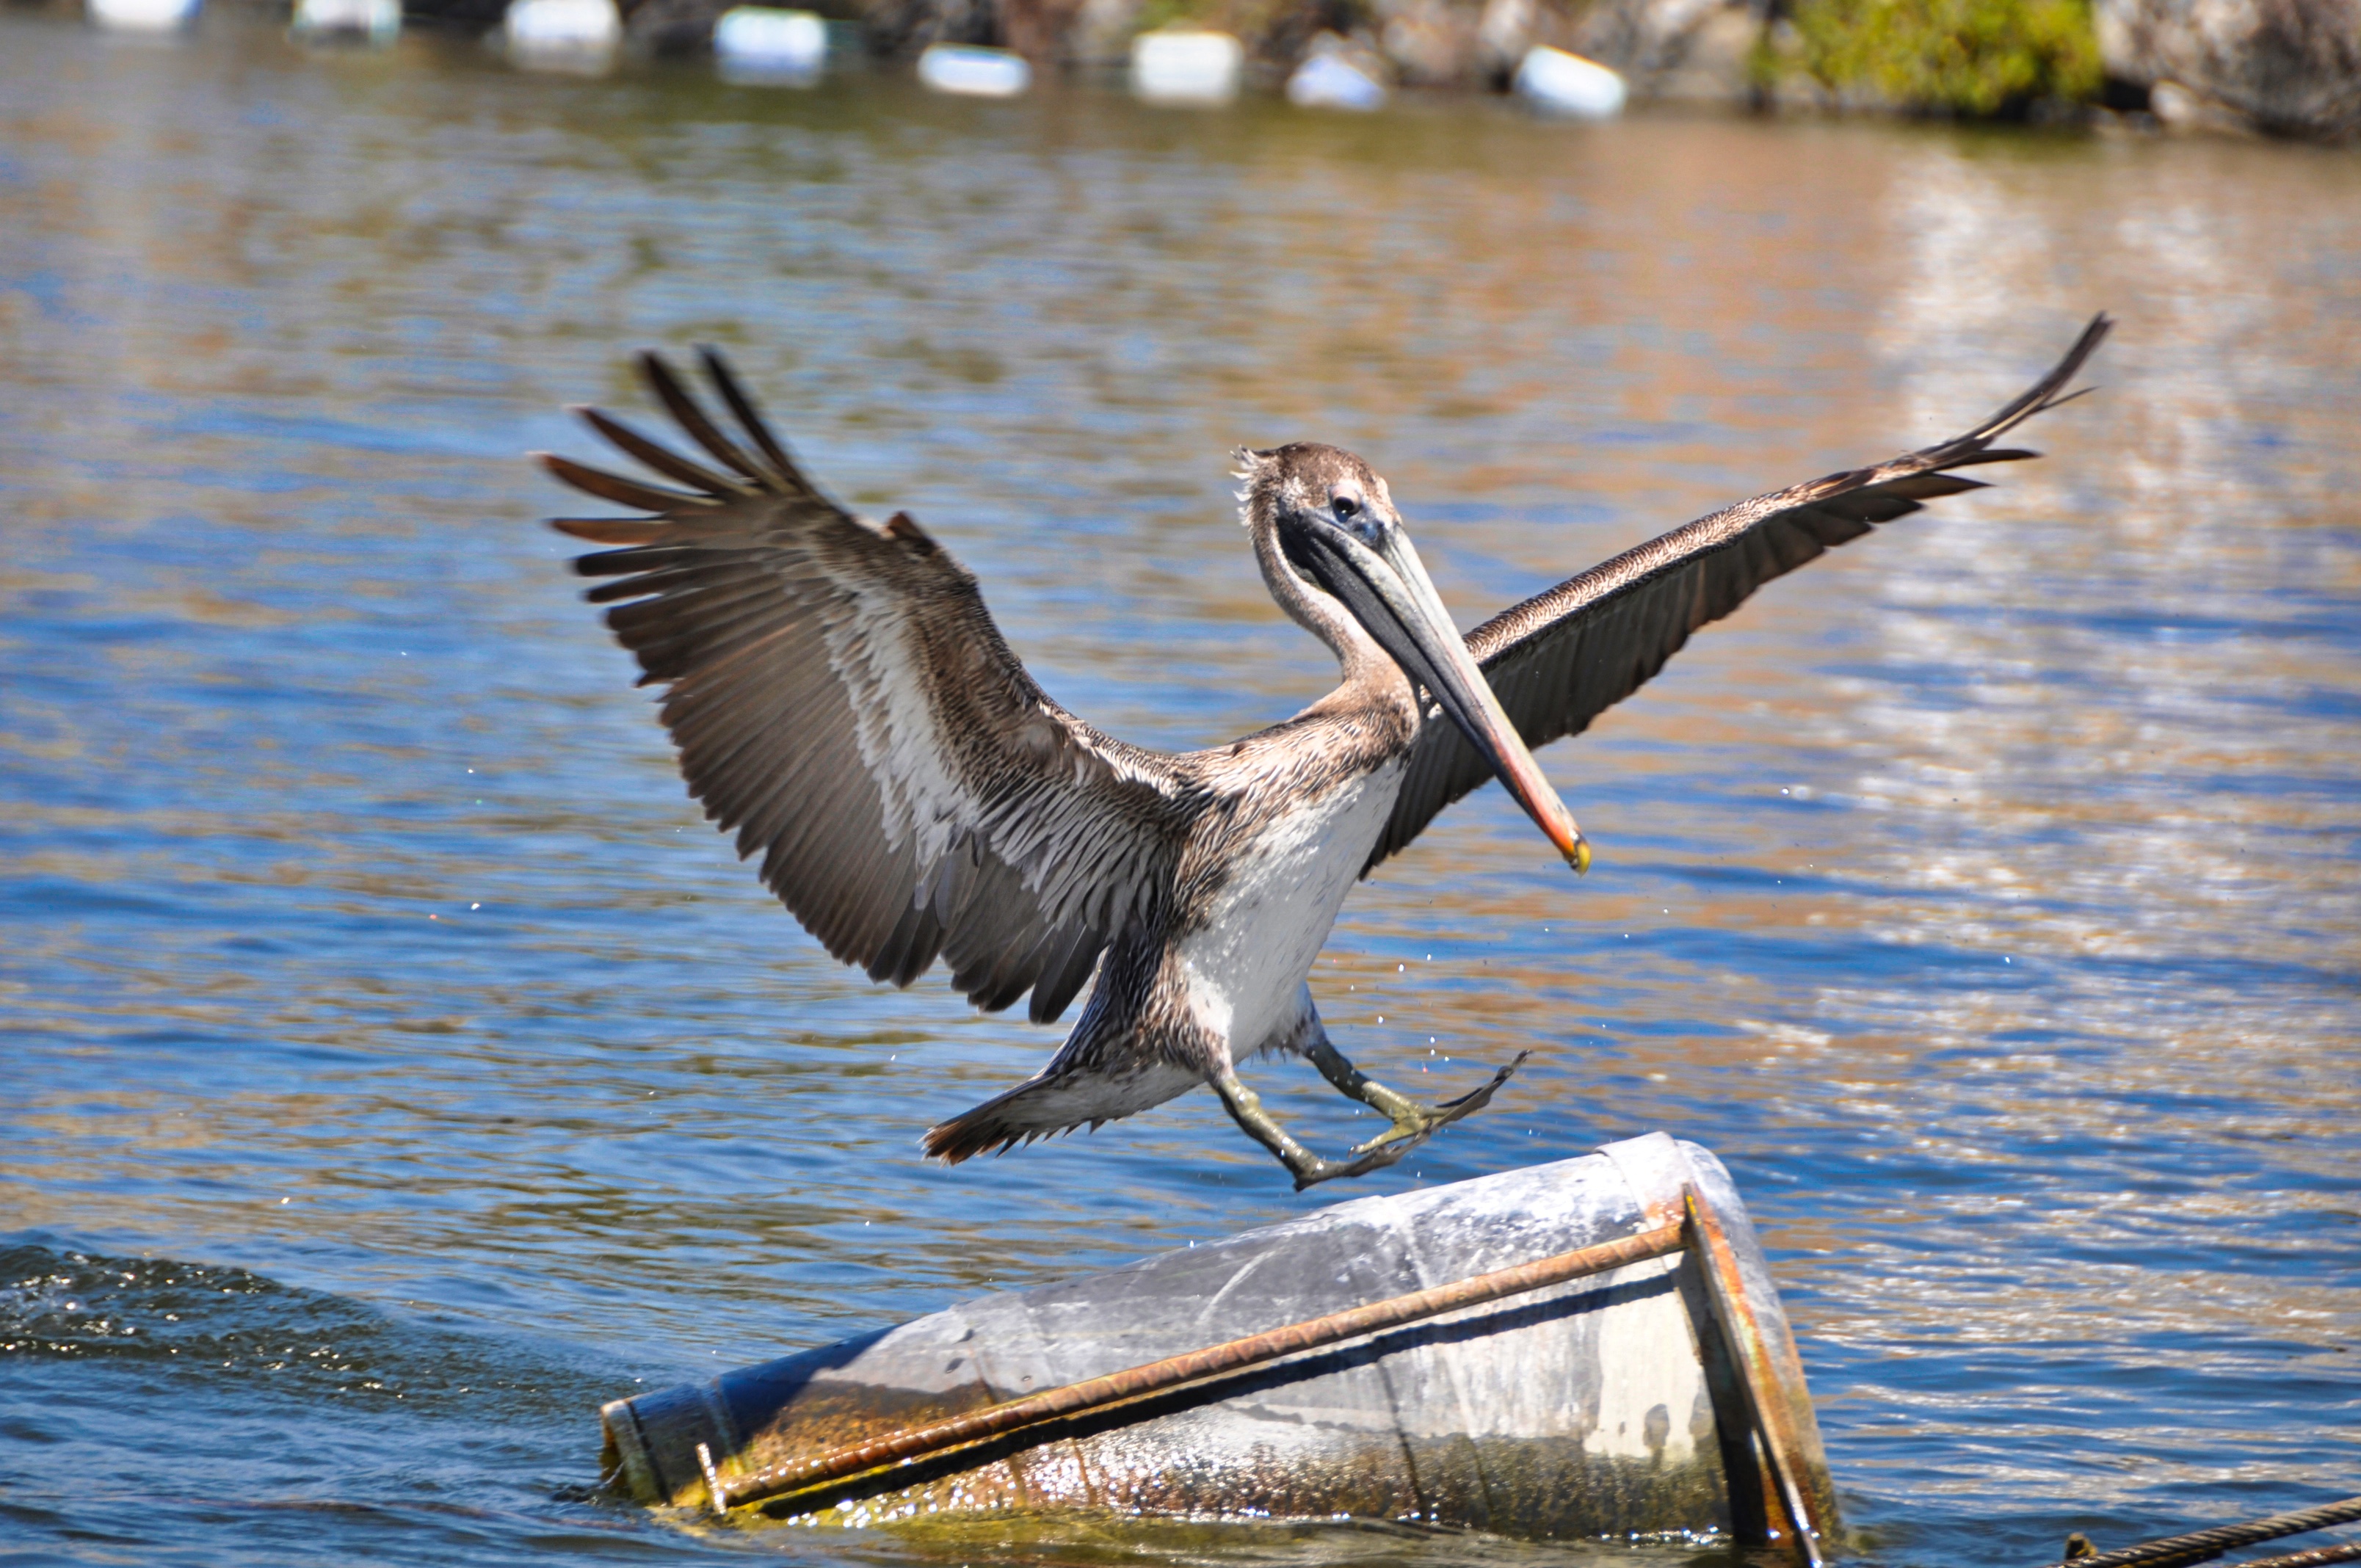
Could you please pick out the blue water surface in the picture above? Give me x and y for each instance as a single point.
(397, 1066)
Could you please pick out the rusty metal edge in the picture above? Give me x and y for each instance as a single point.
(1783, 1449)
(1662, 1172)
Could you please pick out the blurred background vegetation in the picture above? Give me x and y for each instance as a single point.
(1980, 58)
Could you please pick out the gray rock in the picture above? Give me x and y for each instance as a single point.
(2283, 67)
(1711, 63)
(1432, 43)
(1503, 32)
(1102, 33)
(1694, 50)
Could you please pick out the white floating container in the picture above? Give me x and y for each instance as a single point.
(1331, 81)
(142, 16)
(564, 34)
(765, 43)
(973, 72)
(1557, 82)
(342, 21)
(1186, 66)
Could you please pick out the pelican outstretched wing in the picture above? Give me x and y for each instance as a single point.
(1561, 658)
(841, 699)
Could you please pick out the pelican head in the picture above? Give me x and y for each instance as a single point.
(1336, 531)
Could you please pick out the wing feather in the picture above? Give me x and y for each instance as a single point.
(693, 419)
(609, 530)
(1561, 658)
(614, 487)
(656, 456)
(843, 704)
(750, 418)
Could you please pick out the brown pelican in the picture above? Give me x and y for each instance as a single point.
(841, 698)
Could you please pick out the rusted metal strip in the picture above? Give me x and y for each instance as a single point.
(1117, 1388)
(1774, 1429)
(2203, 1545)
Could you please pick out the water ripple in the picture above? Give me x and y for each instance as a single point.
(399, 1066)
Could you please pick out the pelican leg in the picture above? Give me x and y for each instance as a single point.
(1245, 1107)
(1413, 1124)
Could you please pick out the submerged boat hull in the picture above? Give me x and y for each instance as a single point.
(1629, 1402)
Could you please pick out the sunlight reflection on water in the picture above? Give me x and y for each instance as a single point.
(1985, 894)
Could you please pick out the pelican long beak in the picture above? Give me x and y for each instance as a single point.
(1387, 589)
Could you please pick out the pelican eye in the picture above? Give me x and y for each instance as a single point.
(1345, 506)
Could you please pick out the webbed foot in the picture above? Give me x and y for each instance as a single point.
(1413, 1124)
(1245, 1107)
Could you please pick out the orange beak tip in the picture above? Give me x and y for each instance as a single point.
(1579, 856)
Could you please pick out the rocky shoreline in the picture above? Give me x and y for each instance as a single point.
(2283, 67)
(2277, 68)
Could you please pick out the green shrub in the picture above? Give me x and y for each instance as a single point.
(1966, 57)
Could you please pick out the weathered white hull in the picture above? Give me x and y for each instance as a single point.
(1608, 1405)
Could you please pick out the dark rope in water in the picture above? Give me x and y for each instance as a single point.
(2315, 1558)
(2203, 1545)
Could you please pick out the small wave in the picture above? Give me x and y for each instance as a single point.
(61, 1303)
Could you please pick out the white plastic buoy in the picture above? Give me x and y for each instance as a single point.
(564, 34)
(329, 21)
(1331, 81)
(974, 72)
(1186, 66)
(1557, 82)
(763, 43)
(142, 16)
